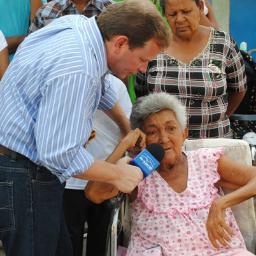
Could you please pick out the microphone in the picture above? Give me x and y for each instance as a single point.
(149, 158)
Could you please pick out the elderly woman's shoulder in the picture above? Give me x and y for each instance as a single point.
(206, 153)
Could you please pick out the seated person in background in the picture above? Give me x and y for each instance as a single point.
(177, 210)
(202, 67)
(3, 55)
(207, 16)
(57, 8)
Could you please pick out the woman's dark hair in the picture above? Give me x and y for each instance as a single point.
(163, 3)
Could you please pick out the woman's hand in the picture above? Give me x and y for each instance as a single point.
(135, 138)
(134, 141)
(219, 232)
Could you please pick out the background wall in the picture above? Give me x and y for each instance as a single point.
(238, 18)
(222, 12)
(243, 22)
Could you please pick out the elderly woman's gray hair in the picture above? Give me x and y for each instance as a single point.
(154, 103)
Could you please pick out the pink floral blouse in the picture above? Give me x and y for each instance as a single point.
(168, 223)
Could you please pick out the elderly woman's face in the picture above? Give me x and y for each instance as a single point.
(163, 128)
(183, 17)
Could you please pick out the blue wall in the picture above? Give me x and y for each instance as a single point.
(243, 22)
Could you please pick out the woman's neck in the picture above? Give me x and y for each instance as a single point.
(177, 175)
(80, 4)
(172, 169)
(201, 33)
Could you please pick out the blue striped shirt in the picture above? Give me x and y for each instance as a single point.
(50, 92)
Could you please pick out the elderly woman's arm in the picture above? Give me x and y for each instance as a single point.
(98, 192)
(233, 174)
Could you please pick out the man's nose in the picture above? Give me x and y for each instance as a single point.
(143, 67)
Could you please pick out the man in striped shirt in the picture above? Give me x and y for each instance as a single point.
(77, 208)
(48, 97)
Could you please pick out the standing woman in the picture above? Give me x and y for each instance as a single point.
(202, 66)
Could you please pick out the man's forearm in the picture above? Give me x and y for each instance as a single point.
(100, 171)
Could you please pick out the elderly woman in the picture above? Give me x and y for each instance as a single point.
(202, 66)
(177, 209)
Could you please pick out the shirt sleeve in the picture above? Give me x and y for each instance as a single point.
(64, 124)
(235, 69)
(109, 96)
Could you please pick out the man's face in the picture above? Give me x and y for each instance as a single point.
(124, 61)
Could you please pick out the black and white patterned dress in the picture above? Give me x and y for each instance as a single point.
(202, 84)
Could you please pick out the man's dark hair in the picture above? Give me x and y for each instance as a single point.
(139, 20)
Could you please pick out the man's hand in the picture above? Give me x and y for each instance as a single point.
(129, 176)
(219, 232)
(98, 192)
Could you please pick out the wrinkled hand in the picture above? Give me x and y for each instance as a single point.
(135, 140)
(129, 176)
(219, 232)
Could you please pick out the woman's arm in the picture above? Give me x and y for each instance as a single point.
(209, 19)
(240, 175)
(98, 192)
(119, 117)
(4, 61)
(237, 175)
(34, 6)
(234, 100)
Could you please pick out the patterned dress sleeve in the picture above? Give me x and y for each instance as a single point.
(141, 84)
(235, 69)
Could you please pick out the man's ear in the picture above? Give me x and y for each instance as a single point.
(119, 42)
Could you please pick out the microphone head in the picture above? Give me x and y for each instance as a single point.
(149, 158)
(156, 150)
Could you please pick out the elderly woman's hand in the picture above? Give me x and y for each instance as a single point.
(219, 232)
(134, 141)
